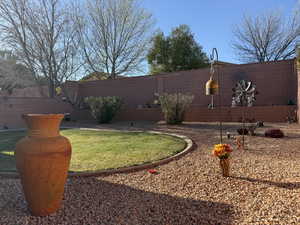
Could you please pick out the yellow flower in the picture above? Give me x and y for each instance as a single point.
(222, 150)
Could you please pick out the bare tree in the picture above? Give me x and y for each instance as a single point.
(267, 37)
(115, 35)
(42, 34)
(13, 76)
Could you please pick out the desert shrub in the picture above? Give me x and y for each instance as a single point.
(251, 128)
(274, 133)
(174, 106)
(242, 131)
(260, 124)
(104, 109)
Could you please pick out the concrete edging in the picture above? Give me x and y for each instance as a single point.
(190, 146)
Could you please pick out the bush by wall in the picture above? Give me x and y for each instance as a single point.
(274, 133)
(104, 109)
(174, 106)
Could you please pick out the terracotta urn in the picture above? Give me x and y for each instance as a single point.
(225, 166)
(42, 160)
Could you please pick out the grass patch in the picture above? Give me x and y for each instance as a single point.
(96, 150)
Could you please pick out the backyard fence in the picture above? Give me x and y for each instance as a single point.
(277, 84)
(12, 109)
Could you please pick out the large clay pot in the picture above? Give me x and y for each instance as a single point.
(42, 160)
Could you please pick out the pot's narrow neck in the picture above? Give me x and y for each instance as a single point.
(42, 133)
(43, 125)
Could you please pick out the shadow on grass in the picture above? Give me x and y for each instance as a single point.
(95, 201)
(7, 163)
(8, 142)
(286, 185)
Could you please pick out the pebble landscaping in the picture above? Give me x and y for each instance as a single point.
(263, 187)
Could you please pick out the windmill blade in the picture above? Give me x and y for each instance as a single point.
(249, 84)
(239, 86)
(252, 90)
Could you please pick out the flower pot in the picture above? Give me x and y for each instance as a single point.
(42, 160)
(225, 166)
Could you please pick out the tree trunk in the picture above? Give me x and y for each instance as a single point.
(51, 89)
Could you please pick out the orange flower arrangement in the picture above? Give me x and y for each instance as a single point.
(222, 151)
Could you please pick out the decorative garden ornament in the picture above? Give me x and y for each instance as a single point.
(244, 95)
(239, 143)
(223, 151)
(211, 87)
(42, 160)
(225, 167)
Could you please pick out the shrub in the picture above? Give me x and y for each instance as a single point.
(259, 123)
(174, 106)
(104, 109)
(251, 128)
(242, 131)
(274, 133)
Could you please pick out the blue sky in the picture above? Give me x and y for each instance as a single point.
(211, 21)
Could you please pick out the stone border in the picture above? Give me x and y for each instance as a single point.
(190, 146)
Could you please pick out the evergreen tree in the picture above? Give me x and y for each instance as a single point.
(178, 51)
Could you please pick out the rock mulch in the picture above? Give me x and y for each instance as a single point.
(264, 187)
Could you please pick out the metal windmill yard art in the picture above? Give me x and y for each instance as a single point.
(244, 95)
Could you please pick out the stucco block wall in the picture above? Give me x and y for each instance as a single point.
(277, 84)
(11, 109)
(275, 81)
(202, 114)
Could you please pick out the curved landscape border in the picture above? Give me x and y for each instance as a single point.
(190, 146)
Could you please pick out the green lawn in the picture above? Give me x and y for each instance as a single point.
(96, 150)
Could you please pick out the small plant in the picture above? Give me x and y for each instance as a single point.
(174, 106)
(251, 128)
(222, 151)
(242, 131)
(104, 109)
(274, 133)
(291, 102)
(260, 124)
(292, 116)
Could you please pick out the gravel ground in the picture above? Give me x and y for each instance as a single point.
(264, 187)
